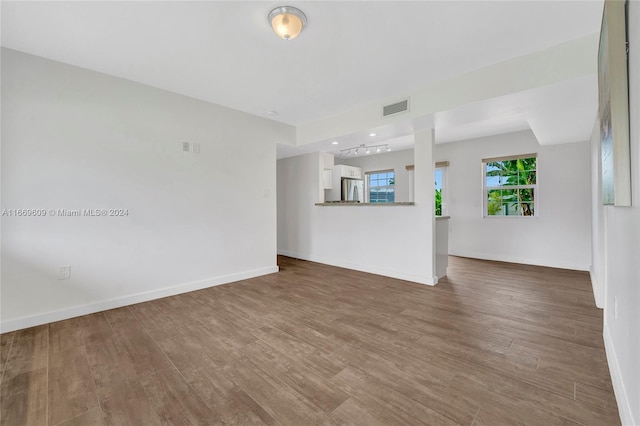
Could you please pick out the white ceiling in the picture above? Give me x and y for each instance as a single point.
(556, 113)
(351, 53)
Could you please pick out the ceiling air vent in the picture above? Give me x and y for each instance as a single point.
(395, 108)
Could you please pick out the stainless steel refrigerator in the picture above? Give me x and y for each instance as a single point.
(352, 190)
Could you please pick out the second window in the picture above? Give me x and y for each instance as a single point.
(381, 186)
(510, 185)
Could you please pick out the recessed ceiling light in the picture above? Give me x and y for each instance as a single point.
(334, 143)
(372, 134)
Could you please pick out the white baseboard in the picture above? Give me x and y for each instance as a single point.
(595, 286)
(550, 263)
(363, 268)
(624, 405)
(75, 311)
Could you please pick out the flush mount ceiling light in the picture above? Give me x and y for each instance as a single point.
(287, 21)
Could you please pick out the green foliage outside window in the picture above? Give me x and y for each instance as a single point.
(510, 187)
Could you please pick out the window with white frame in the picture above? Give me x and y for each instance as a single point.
(381, 186)
(510, 185)
(440, 177)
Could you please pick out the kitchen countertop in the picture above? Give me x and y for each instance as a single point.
(406, 203)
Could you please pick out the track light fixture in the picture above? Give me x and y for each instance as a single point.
(366, 148)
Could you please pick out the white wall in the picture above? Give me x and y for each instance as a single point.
(597, 214)
(559, 235)
(395, 241)
(297, 182)
(621, 227)
(74, 139)
(396, 160)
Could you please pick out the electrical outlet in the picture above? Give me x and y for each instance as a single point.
(195, 147)
(64, 272)
(185, 146)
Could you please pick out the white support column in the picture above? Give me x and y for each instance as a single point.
(424, 184)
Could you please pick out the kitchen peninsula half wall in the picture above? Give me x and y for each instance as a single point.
(356, 204)
(395, 242)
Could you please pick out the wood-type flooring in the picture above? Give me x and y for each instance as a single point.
(492, 344)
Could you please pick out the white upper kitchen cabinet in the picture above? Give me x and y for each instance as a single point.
(342, 170)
